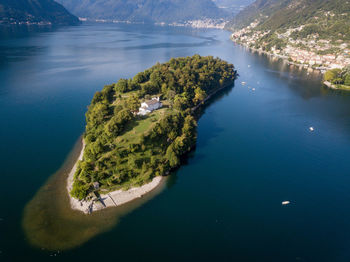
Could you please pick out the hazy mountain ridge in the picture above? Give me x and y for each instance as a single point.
(232, 6)
(35, 12)
(154, 11)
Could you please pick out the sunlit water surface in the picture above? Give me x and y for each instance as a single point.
(254, 150)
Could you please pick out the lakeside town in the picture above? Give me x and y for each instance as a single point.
(12, 21)
(313, 52)
(203, 23)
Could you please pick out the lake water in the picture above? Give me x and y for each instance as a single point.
(254, 150)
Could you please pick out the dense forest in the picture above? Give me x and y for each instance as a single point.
(338, 77)
(311, 33)
(124, 149)
(330, 19)
(35, 11)
(277, 14)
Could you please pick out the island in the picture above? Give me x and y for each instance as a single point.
(338, 78)
(138, 130)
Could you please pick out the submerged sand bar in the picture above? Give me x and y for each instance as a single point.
(112, 199)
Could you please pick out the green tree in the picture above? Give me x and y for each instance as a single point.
(338, 81)
(332, 74)
(121, 86)
(172, 156)
(140, 78)
(132, 86)
(97, 114)
(180, 102)
(347, 80)
(200, 95)
(133, 103)
(79, 190)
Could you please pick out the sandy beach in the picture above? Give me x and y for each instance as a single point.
(112, 199)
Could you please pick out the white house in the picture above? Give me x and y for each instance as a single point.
(149, 106)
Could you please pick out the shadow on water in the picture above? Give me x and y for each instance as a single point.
(185, 160)
(193, 156)
(214, 129)
(19, 31)
(216, 97)
(171, 45)
(10, 54)
(23, 31)
(50, 224)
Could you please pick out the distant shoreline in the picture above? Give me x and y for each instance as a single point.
(199, 24)
(284, 58)
(111, 199)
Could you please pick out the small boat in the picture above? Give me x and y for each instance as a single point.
(243, 83)
(311, 129)
(285, 203)
(253, 89)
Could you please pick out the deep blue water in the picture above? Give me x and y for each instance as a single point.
(254, 150)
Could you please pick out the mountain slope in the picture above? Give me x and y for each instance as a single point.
(233, 6)
(309, 32)
(259, 10)
(144, 10)
(280, 14)
(35, 11)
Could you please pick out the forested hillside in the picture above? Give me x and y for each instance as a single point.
(35, 12)
(233, 6)
(145, 10)
(279, 14)
(124, 149)
(310, 32)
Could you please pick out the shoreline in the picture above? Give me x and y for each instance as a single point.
(193, 109)
(330, 85)
(335, 87)
(322, 70)
(196, 24)
(111, 199)
(50, 223)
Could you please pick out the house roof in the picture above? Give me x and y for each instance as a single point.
(152, 102)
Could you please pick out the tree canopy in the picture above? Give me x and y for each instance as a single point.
(338, 76)
(123, 149)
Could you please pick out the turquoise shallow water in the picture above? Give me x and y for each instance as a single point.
(254, 150)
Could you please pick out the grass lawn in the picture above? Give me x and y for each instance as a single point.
(136, 128)
(141, 126)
